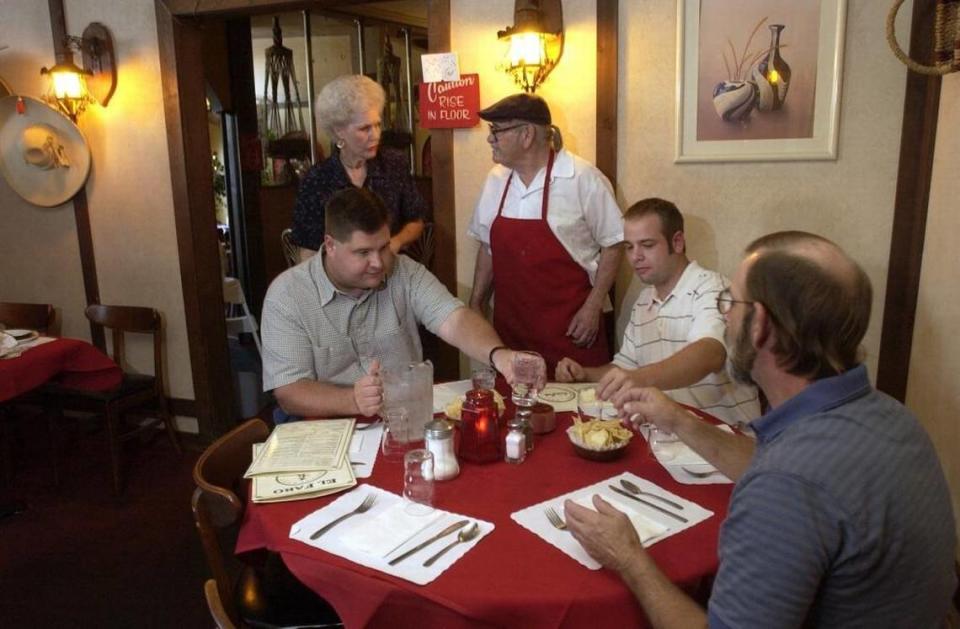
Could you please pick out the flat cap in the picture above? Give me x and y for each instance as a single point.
(523, 106)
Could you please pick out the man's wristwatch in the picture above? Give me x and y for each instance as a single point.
(492, 352)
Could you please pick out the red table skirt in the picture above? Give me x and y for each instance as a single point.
(70, 362)
(512, 578)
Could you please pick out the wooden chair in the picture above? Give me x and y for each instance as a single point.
(217, 610)
(29, 316)
(264, 596)
(422, 248)
(141, 394)
(291, 252)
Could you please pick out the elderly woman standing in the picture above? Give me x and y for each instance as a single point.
(348, 109)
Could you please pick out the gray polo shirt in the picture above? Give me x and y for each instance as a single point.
(312, 331)
(843, 518)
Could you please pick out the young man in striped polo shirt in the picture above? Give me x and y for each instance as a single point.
(675, 338)
(841, 515)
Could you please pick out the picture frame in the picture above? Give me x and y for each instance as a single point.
(758, 80)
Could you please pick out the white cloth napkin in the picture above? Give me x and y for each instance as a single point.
(646, 528)
(362, 537)
(676, 456)
(363, 449)
(534, 519)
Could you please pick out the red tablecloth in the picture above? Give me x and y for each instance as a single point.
(70, 362)
(512, 578)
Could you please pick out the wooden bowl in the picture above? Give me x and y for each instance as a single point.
(611, 454)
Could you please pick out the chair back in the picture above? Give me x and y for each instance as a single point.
(422, 249)
(291, 252)
(217, 611)
(135, 319)
(218, 475)
(31, 316)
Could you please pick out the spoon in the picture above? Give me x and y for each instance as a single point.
(465, 535)
(633, 489)
(703, 474)
(367, 425)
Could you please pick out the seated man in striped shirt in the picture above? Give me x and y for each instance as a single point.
(357, 300)
(674, 340)
(841, 514)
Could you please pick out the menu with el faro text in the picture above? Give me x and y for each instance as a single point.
(304, 446)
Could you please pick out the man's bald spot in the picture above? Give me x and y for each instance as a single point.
(817, 250)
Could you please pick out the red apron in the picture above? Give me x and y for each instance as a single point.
(538, 287)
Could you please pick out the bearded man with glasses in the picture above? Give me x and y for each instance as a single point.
(549, 230)
(841, 515)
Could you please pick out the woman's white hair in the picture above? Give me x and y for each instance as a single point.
(344, 97)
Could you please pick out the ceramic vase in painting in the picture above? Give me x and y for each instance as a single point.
(772, 75)
(734, 100)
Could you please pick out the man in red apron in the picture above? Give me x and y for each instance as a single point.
(549, 229)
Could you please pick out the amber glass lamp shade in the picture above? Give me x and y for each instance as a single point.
(68, 88)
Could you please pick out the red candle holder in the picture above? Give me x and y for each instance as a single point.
(479, 428)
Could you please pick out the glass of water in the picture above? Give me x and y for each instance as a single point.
(418, 481)
(530, 375)
(663, 443)
(396, 434)
(483, 378)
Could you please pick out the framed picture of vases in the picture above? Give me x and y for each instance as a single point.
(758, 80)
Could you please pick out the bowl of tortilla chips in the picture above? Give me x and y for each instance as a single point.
(599, 439)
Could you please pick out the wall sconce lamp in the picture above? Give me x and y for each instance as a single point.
(72, 89)
(535, 41)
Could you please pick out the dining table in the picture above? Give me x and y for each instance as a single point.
(511, 577)
(69, 362)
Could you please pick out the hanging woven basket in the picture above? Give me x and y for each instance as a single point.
(946, 34)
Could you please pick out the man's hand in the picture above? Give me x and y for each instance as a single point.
(646, 404)
(584, 326)
(569, 370)
(607, 535)
(616, 380)
(503, 362)
(368, 391)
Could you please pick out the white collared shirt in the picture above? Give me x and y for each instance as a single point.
(583, 212)
(659, 329)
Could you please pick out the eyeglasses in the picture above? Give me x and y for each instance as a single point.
(496, 131)
(725, 301)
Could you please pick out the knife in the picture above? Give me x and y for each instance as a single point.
(649, 504)
(450, 529)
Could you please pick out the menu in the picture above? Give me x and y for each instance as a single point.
(299, 485)
(304, 446)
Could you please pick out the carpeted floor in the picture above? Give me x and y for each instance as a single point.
(78, 557)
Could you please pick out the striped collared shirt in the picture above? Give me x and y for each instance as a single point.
(660, 328)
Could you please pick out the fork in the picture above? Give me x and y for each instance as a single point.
(696, 474)
(555, 519)
(362, 508)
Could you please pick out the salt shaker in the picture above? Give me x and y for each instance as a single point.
(438, 436)
(515, 443)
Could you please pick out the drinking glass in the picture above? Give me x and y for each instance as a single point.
(396, 434)
(529, 374)
(484, 378)
(663, 443)
(418, 481)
